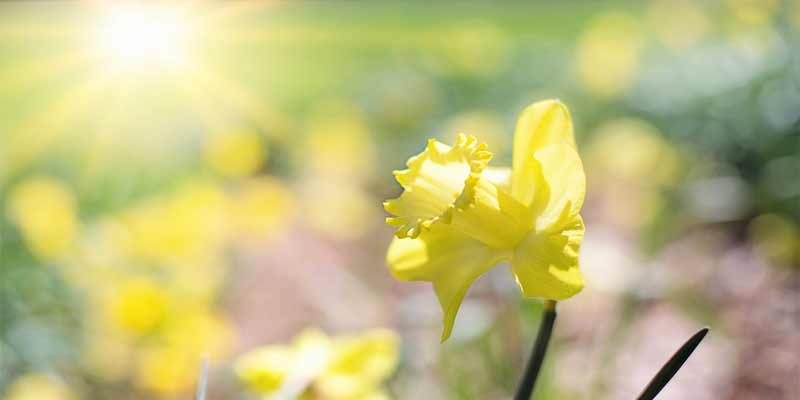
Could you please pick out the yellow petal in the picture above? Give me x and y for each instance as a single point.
(563, 188)
(546, 264)
(360, 364)
(448, 259)
(264, 370)
(541, 124)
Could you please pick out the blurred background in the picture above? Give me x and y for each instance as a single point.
(188, 179)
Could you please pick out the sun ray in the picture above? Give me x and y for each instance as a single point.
(252, 107)
(36, 133)
(22, 75)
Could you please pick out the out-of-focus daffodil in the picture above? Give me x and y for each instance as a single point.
(608, 54)
(678, 24)
(353, 205)
(454, 223)
(261, 207)
(359, 365)
(45, 211)
(629, 184)
(753, 12)
(38, 387)
(235, 154)
(314, 365)
(652, 161)
(338, 142)
(139, 306)
(777, 238)
(167, 370)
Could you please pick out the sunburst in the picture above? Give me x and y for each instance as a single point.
(101, 58)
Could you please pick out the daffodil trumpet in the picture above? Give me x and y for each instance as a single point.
(457, 216)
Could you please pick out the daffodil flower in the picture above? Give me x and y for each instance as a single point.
(457, 217)
(351, 367)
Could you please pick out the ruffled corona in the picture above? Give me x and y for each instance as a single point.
(434, 181)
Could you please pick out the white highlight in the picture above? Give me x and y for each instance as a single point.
(137, 36)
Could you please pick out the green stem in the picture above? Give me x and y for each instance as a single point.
(528, 381)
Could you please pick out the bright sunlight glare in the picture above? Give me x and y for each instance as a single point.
(143, 37)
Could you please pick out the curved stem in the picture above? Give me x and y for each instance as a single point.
(528, 382)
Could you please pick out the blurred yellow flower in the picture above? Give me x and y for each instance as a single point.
(184, 227)
(475, 48)
(167, 370)
(354, 206)
(288, 368)
(38, 387)
(45, 211)
(608, 54)
(453, 223)
(261, 207)
(235, 154)
(777, 238)
(629, 184)
(679, 24)
(201, 332)
(338, 141)
(753, 12)
(359, 365)
(649, 160)
(350, 367)
(138, 306)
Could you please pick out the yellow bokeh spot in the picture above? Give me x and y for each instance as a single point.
(635, 151)
(167, 370)
(776, 238)
(262, 207)
(355, 210)
(679, 24)
(235, 154)
(609, 54)
(338, 141)
(187, 227)
(45, 211)
(139, 306)
(630, 163)
(197, 331)
(38, 387)
(753, 12)
(474, 48)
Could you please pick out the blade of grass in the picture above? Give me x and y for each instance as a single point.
(203, 381)
(672, 366)
(528, 381)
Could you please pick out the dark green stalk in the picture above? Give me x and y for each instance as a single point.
(672, 366)
(528, 381)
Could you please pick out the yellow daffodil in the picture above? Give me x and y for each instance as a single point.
(456, 218)
(359, 366)
(351, 367)
(38, 387)
(45, 210)
(235, 154)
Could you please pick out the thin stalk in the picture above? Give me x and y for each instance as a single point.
(202, 382)
(528, 382)
(672, 366)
